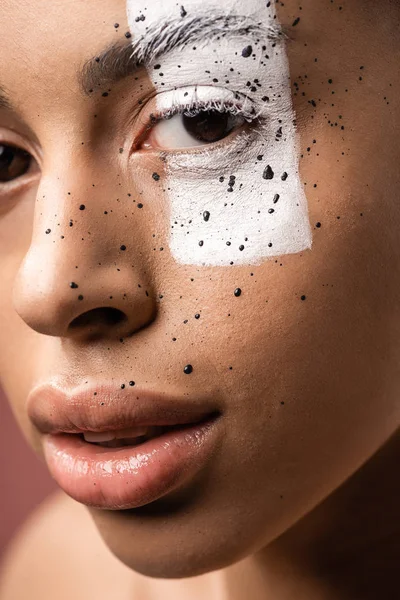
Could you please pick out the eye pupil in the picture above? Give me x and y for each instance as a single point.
(208, 126)
(14, 163)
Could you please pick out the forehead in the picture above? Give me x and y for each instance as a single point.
(41, 32)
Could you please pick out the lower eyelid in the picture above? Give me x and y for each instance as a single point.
(194, 161)
(19, 183)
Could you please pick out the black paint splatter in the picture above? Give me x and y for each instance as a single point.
(268, 173)
(246, 52)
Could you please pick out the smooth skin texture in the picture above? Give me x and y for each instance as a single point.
(301, 497)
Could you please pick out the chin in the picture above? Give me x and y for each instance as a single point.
(175, 544)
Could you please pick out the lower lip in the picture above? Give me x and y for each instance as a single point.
(131, 476)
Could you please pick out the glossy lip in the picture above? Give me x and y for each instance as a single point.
(103, 407)
(132, 476)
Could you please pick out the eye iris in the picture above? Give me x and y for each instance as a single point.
(208, 126)
(14, 163)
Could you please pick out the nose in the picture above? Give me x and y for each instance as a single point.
(78, 279)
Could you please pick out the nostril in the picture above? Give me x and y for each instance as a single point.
(99, 317)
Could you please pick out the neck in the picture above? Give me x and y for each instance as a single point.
(345, 549)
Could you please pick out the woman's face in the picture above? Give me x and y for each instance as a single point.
(146, 215)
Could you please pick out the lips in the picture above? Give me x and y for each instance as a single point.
(103, 408)
(122, 472)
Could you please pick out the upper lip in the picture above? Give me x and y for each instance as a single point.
(105, 408)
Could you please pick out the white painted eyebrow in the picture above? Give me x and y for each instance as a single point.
(166, 36)
(119, 61)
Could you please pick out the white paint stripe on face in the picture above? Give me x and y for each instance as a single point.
(250, 186)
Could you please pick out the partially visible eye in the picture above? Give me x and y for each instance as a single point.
(14, 163)
(199, 128)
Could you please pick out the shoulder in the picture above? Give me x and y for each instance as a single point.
(58, 553)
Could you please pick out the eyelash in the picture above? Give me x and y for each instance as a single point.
(192, 109)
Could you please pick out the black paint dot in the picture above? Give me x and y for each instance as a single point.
(246, 52)
(284, 176)
(82, 207)
(80, 297)
(122, 386)
(241, 248)
(123, 248)
(201, 243)
(140, 205)
(188, 369)
(73, 285)
(238, 292)
(268, 173)
(206, 215)
(197, 316)
(303, 298)
(128, 35)
(48, 231)
(156, 176)
(296, 22)
(131, 383)
(318, 224)
(276, 198)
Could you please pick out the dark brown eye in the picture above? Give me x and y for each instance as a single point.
(14, 163)
(211, 125)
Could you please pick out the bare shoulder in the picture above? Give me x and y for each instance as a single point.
(58, 553)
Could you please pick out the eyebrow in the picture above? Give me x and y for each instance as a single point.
(120, 61)
(4, 101)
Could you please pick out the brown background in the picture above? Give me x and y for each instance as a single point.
(24, 480)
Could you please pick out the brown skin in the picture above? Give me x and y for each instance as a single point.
(313, 393)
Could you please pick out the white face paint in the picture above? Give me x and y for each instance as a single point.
(239, 201)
